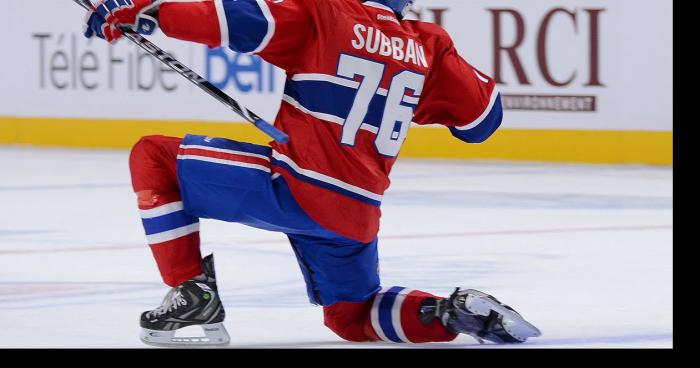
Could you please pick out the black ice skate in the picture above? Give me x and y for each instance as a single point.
(479, 315)
(195, 302)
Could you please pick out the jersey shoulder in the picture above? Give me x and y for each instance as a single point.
(331, 4)
(431, 33)
(328, 12)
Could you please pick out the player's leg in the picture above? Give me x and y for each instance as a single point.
(173, 236)
(343, 275)
(178, 181)
(230, 181)
(480, 315)
(392, 315)
(403, 315)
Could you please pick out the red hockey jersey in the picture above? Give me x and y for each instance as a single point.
(357, 77)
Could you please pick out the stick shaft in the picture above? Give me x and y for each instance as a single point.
(199, 81)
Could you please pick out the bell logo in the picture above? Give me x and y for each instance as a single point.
(246, 73)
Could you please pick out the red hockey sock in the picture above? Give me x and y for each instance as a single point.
(172, 234)
(393, 315)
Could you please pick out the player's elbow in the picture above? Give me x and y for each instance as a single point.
(248, 29)
(480, 131)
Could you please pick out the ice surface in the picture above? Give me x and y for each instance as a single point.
(582, 251)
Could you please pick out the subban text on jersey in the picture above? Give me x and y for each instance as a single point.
(375, 41)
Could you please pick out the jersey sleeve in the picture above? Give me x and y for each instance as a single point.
(459, 96)
(274, 29)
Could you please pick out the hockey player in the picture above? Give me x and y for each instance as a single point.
(358, 74)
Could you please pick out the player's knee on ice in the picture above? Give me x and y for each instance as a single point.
(348, 320)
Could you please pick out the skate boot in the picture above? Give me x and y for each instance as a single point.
(479, 315)
(195, 302)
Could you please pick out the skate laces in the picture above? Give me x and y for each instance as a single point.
(173, 299)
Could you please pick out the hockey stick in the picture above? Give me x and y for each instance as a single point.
(196, 79)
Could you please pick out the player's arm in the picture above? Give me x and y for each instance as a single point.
(459, 96)
(269, 27)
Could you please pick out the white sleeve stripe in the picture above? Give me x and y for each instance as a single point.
(270, 26)
(481, 77)
(480, 119)
(223, 22)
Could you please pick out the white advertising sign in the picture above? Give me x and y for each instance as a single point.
(567, 64)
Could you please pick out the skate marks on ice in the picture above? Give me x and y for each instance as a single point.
(466, 342)
(238, 242)
(551, 240)
(476, 199)
(32, 188)
(48, 295)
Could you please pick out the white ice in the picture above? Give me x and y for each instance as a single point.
(582, 251)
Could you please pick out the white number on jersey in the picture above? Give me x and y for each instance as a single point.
(397, 116)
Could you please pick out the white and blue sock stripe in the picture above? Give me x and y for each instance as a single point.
(386, 314)
(168, 222)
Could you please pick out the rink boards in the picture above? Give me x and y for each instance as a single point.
(619, 147)
(581, 81)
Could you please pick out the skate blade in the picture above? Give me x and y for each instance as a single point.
(215, 335)
(482, 304)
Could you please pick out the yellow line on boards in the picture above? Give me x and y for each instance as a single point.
(580, 146)
(103, 133)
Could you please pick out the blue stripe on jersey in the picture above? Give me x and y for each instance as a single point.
(247, 26)
(167, 222)
(333, 99)
(385, 312)
(486, 128)
(375, 114)
(324, 97)
(323, 184)
(198, 140)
